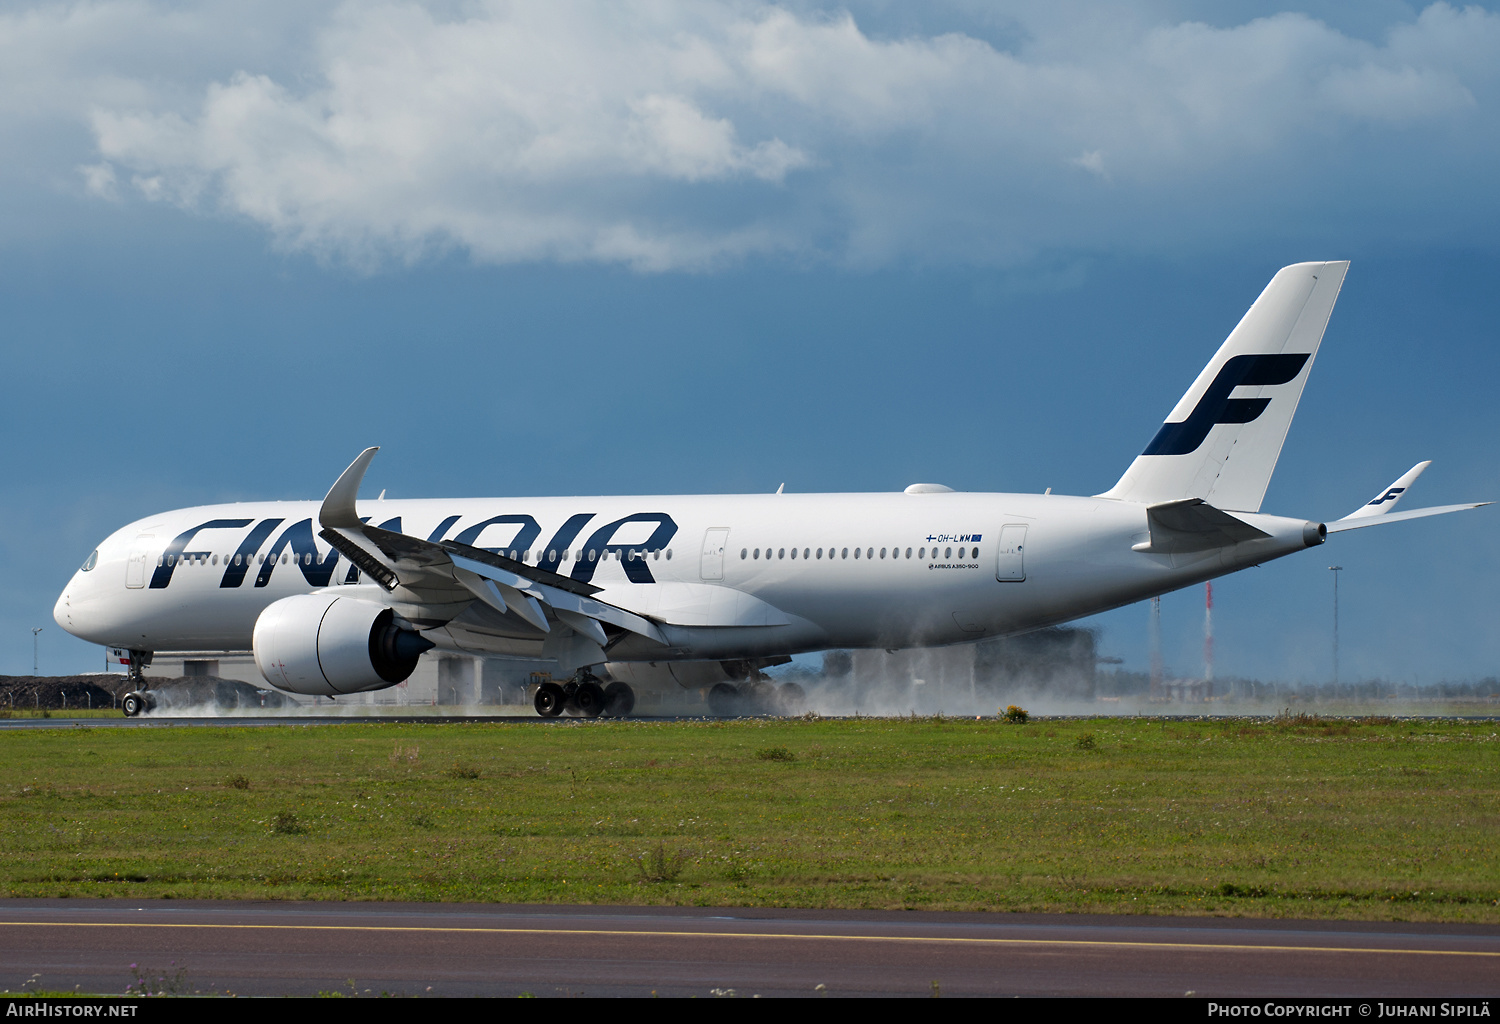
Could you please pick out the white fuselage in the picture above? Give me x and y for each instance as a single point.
(793, 572)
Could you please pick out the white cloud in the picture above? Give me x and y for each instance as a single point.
(1093, 162)
(663, 134)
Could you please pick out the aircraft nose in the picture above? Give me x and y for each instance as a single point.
(62, 611)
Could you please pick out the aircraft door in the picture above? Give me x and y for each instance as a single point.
(714, 542)
(1011, 567)
(135, 568)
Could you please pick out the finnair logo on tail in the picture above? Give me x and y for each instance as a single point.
(1390, 495)
(1217, 407)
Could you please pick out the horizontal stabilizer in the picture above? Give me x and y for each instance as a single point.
(1191, 525)
(1353, 523)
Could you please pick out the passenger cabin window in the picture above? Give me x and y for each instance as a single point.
(781, 553)
(947, 552)
(846, 553)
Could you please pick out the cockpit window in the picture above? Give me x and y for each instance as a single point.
(93, 560)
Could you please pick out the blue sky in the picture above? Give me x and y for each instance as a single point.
(714, 247)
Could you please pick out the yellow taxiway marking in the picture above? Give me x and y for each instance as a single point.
(807, 936)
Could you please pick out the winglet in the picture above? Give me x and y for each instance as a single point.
(1387, 498)
(338, 507)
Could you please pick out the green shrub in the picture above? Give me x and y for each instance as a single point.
(1087, 742)
(1016, 713)
(285, 823)
(660, 864)
(775, 754)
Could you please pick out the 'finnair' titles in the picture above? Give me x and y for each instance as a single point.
(344, 596)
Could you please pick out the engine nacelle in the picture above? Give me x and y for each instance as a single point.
(328, 645)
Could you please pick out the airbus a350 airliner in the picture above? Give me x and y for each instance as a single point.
(344, 597)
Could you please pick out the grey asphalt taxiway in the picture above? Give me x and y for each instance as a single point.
(468, 949)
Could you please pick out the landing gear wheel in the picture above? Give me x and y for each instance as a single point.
(570, 691)
(590, 699)
(792, 698)
(549, 700)
(619, 700)
(757, 697)
(724, 700)
(134, 704)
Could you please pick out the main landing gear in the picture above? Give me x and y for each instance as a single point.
(585, 696)
(756, 697)
(139, 700)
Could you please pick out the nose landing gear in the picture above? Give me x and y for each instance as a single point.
(139, 700)
(137, 703)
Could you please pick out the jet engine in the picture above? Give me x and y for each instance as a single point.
(328, 645)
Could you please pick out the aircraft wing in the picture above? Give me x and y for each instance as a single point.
(441, 579)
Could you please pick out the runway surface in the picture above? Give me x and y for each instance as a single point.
(252, 721)
(467, 949)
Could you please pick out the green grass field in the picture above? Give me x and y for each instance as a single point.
(1290, 817)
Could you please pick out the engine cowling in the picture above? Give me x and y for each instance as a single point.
(328, 645)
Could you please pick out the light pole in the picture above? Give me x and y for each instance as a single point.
(1335, 569)
(34, 632)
